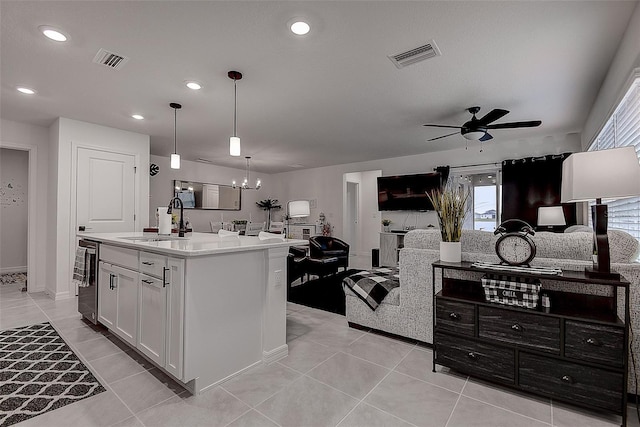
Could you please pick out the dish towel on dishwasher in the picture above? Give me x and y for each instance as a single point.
(80, 273)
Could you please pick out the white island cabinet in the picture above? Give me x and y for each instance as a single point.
(204, 309)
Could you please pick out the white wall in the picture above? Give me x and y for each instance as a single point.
(66, 137)
(326, 184)
(627, 59)
(34, 140)
(161, 192)
(14, 190)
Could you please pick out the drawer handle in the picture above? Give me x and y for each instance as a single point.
(472, 355)
(454, 316)
(593, 341)
(147, 263)
(567, 379)
(164, 276)
(516, 327)
(148, 282)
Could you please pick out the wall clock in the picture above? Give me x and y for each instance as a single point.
(154, 169)
(515, 247)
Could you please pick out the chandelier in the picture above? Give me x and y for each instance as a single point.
(247, 178)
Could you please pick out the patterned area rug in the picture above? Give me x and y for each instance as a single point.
(9, 278)
(39, 373)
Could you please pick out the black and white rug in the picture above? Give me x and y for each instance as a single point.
(39, 373)
(9, 278)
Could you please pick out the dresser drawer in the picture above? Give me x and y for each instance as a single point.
(593, 342)
(152, 264)
(487, 361)
(523, 329)
(455, 316)
(119, 256)
(571, 382)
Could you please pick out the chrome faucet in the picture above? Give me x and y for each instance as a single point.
(181, 229)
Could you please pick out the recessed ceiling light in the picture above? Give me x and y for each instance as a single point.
(137, 116)
(53, 33)
(25, 90)
(194, 85)
(300, 28)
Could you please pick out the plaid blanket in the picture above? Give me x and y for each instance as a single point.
(372, 286)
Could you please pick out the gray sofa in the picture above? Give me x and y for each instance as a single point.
(407, 310)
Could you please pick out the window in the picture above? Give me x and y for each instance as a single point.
(622, 130)
(484, 201)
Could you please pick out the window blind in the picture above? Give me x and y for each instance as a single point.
(622, 130)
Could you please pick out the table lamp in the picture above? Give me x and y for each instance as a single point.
(594, 175)
(297, 209)
(548, 216)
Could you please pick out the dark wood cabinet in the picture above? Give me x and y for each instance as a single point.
(573, 352)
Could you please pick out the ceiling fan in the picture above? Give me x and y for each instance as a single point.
(476, 129)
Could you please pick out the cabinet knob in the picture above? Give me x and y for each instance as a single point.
(593, 341)
(454, 316)
(516, 327)
(472, 355)
(567, 379)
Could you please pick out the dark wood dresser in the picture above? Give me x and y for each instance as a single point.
(573, 352)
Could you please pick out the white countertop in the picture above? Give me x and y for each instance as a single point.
(197, 244)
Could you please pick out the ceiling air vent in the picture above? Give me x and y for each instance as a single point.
(110, 59)
(418, 54)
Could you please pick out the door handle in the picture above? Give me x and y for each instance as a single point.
(164, 276)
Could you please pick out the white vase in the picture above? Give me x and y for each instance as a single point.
(450, 252)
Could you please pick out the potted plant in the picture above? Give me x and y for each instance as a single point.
(450, 204)
(268, 205)
(386, 223)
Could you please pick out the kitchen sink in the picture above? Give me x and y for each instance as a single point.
(153, 238)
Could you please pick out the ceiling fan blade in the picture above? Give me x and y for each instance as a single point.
(445, 126)
(443, 136)
(492, 116)
(513, 125)
(486, 137)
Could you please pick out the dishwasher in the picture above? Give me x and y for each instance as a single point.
(88, 295)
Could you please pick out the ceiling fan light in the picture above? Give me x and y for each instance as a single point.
(234, 146)
(474, 135)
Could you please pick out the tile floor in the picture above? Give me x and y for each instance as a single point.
(333, 376)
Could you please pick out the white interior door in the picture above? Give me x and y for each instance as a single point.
(351, 233)
(105, 191)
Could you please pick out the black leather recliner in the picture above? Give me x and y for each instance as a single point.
(321, 247)
(296, 265)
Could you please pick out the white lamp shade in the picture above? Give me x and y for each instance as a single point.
(299, 208)
(175, 161)
(551, 215)
(234, 146)
(613, 173)
(474, 135)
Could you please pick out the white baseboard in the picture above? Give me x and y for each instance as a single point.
(275, 354)
(62, 295)
(20, 269)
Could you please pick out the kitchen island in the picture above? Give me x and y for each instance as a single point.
(203, 308)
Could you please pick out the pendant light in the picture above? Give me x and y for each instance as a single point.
(234, 141)
(247, 177)
(175, 157)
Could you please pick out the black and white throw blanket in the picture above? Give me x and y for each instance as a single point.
(39, 373)
(372, 286)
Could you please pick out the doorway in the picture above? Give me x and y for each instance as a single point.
(351, 219)
(14, 218)
(361, 218)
